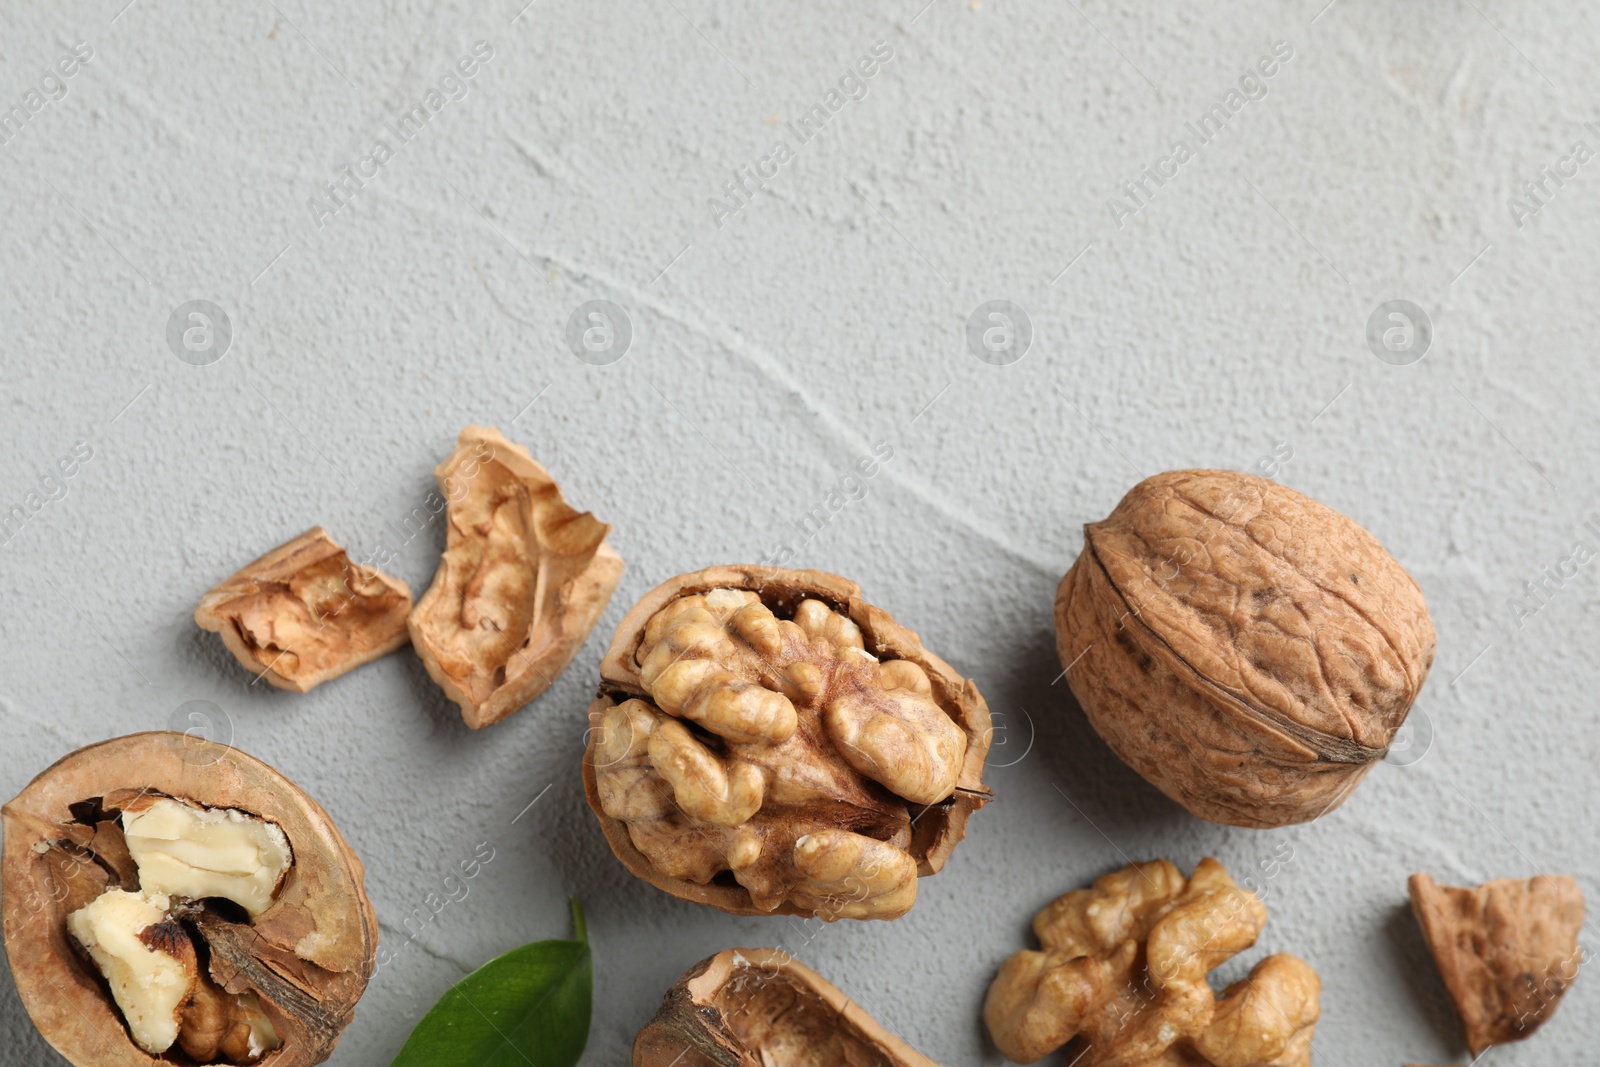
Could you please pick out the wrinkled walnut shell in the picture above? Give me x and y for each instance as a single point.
(850, 847)
(307, 957)
(1121, 974)
(1248, 650)
(751, 1007)
(523, 580)
(303, 613)
(1507, 950)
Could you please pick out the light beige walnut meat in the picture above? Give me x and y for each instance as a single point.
(759, 1007)
(1121, 971)
(523, 579)
(167, 899)
(1507, 950)
(304, 613)
(766, 741)
(1248, 650)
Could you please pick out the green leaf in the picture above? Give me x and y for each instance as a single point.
(528, 1007)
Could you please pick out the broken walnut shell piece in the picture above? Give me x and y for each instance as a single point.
(1507, 950)
(1121, 971)
(523, 580)
(750, 1007)
(305, 959)
(304, 613)
(1248, 650)
(767, 742)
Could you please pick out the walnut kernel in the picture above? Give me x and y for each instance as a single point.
(1122, 971)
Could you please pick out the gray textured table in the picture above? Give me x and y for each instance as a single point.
(1211, 312)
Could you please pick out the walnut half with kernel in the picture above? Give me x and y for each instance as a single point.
(523, 580)
(1249, 651)
(171, 900)
(765, 741)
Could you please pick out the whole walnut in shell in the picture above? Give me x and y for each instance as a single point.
(1121, 970)
(1248, 650)
(765, 741)
(173, 900)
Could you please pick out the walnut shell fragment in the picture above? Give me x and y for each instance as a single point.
(767, 742)
(1249, 651)
(304, 613)
(291, 974)
(523, 580)
(1122, 972)
(754, 1007)
(1507, 950)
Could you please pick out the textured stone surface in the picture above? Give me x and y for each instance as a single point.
(1222, 324)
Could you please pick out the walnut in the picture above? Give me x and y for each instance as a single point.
(303, 613)
(155, 903)
(765, 741)
(746, 1007)
(1123, 972)
(1507, 950)
(523, 579)
(1249, 651)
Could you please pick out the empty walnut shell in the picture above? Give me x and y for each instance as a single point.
(1249, 651)
(767, 742)
(1507, 950)
(523, 580)
(752, 1007)
(306, 958)
(303, 613)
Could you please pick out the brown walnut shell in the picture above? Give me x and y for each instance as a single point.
(1507, 950)
(1248, 650)
(807, 818)
(307, 958)
(753, 1007)
(523, 580)
(303, 613)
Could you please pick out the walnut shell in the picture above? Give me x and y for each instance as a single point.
(307, 958)
(1248, 650)
(750, 1007)
(766, 742)
(303, 613)
(523, 580)
(1507, 950)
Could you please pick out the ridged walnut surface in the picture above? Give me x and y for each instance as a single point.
(1507, 950)
(767, 742)
(1248, 650)
(307, 957)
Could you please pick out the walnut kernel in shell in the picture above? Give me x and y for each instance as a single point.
(294, 971)
(765, 741)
